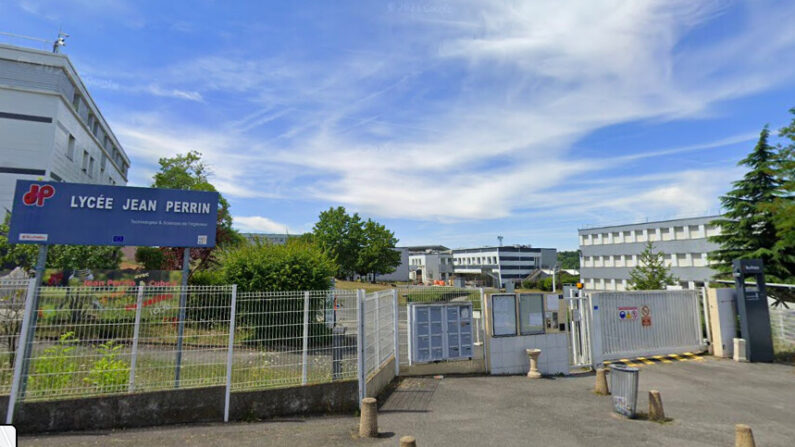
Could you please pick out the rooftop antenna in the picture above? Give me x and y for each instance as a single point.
(499, 238)
(59, 42)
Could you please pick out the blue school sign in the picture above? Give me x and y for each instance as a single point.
(79, 214)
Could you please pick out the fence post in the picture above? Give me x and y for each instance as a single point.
(183, 298)
(136, 335)
(410, 348)
(230, 354)
(377, 330)
(21, 348)
(396, 341)
(705, 310)
(306, 338)
(594, 327)
(360, 350)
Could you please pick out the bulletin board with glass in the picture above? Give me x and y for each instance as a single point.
(503, 312)
(531, 313)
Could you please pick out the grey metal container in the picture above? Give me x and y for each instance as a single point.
(624, 388)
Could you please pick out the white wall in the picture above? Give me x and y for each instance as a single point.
(507, 354)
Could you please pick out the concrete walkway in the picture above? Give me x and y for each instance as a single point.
(704, 398)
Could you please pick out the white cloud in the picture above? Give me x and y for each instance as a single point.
(259, 224)
(471, 113)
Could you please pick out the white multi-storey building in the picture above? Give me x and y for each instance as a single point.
(608, 254)
(503, 264)
(50, 127)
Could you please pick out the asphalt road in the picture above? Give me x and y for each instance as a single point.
(704, 399)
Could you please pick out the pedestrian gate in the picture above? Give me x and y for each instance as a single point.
(440, 331)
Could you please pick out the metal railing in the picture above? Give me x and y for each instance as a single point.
(782, 326)
(379, 329)
(96, 341)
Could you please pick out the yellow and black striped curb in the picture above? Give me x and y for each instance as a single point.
(651, 360)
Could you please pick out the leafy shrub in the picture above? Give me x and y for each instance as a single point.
(150, 257)
(56, 367)
(109, 374)
(297, 265)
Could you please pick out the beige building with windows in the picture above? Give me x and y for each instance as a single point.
(608, 254)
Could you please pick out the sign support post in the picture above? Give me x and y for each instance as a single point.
(41, 262)
(25, 342)
(183, 298)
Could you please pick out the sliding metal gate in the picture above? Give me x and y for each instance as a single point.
(644, 323)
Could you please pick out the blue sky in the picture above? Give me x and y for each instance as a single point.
(451, 122)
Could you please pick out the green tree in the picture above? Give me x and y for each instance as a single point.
(783, 206)
(748, 229)
(651, 272)
(569, 259)
(151, 258)
(341, 237)
(377, 256)
(189, 172)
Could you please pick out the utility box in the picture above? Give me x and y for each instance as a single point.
(440, 331)
(624, 388)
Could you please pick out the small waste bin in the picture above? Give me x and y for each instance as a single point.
(624, 388)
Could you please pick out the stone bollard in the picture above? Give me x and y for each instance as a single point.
(743, 436)
(656, 412)
(533, 355)
(739, 350)
(408, 441)
(368, 423)
(601, 382)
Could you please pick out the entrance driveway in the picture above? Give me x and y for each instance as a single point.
(704, 398)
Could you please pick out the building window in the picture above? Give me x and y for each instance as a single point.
(70, 148)
(85, 161)
(103, 163)
(76, 101)
(91, 167)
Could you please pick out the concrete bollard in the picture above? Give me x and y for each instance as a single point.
(656, 412)
(601, 382)
(743, 436)
(368, 423)
(408, 441)
(739, 350)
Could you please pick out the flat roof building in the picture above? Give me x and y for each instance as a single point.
(503, 264)
(608, 254)
(50, 127)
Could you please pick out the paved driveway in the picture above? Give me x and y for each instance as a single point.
(704, 398)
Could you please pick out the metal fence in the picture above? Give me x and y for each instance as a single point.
(782, 325)
(379, 329)
(12, 306)
(91, 341)
(631, 324)
(434, 294)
